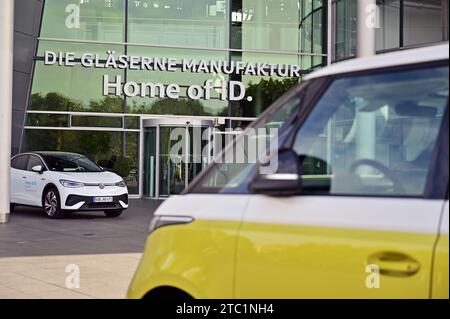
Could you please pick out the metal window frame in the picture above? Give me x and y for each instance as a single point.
(181, 47)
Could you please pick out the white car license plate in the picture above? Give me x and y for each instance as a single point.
(103, 199)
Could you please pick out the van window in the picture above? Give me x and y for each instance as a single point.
(231, 176)
(374, 134)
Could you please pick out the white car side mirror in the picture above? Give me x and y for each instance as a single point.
(38, 169)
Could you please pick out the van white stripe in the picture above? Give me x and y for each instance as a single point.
(383, 214)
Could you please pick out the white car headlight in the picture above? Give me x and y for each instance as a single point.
(121, 184)
(71, 184)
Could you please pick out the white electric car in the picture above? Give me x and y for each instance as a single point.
(65, 182)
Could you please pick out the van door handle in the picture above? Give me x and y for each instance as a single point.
(395, 264)
(24, 177)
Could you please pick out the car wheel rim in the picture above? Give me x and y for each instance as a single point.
(51, 203)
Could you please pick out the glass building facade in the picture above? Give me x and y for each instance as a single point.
(67, 111)
(399, 24)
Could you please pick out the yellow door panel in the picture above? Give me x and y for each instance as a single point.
(197, 258)
(440, 288)
(294, 261)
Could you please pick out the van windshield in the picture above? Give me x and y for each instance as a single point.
(235, 164)
(71, 164)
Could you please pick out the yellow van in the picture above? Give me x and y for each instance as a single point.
(357, 206)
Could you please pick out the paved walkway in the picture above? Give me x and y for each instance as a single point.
(40, 258)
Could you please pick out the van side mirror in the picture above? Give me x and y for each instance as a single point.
(38, 169)
(285, 181)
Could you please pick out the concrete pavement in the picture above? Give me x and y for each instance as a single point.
(41, 258)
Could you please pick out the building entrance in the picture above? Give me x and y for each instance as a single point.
(171, 159)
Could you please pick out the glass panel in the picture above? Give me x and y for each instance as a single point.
(75, 89)
(270, 25)
(374, 135)
(346, 26)
(132, 157)
(179, 54)
(199, 23)
(172, 175)
(183, 106)
(423, 22)
(99, 20)
(388, 35)
(132, 122)
(197, 163)
(289, 25)
(150, 159)
(104, 148)
(96, 121)
(48, 120)
(292, 26)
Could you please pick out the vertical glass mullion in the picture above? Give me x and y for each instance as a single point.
(124, 136)
(401, 22)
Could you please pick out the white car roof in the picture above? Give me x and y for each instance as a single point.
(404, 57)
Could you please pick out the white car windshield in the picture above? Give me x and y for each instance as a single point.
(71, 164)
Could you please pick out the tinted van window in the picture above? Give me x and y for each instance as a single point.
(374, 135)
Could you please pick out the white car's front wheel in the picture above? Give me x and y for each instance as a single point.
(52, 203)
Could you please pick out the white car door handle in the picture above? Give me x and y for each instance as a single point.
(24, 177)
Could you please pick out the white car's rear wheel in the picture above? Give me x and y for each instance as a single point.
(52, 204)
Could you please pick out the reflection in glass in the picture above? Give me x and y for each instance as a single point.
(199, 23)
(264, 92)
(388, 35)
(345, 28)
(96, 121)
(47, 120)
(99, 20)
(370, 138)
(424, 21)
(182, 106)
(75, 89)
(172, 174)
